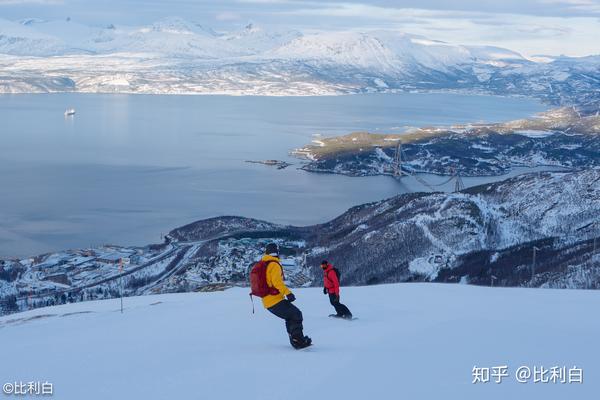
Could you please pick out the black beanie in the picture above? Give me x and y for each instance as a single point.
(271, 249)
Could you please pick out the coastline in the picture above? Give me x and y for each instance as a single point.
(467, 149)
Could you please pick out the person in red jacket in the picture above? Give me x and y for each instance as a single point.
(331, 286)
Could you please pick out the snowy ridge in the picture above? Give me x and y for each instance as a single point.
(20, 40)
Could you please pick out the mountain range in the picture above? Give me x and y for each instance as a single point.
(174, 55)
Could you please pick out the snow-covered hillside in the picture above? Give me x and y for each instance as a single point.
(411, 341)
(484, 231)
(476, 235)
(174, 55)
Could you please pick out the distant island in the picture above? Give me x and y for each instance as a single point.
(275, 163)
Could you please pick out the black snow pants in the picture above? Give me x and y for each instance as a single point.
(292, 316)
(340, 309)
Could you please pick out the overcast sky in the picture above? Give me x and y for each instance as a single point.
(532, 27)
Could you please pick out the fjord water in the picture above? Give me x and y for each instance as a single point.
(127, 168)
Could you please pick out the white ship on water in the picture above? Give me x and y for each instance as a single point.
(69, 111)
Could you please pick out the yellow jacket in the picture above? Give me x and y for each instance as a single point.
(274, 279)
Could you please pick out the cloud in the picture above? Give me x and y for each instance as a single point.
(378, 12)
(575, 5)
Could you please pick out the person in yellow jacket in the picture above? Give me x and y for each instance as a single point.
(280, 304)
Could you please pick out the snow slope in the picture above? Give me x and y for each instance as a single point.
(20, 40)
(411, 341)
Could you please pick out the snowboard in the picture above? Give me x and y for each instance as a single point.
(345, 319)
(304, 348)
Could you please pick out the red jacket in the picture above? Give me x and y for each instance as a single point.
(330, 280)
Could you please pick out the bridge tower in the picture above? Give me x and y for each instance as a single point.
(458, 182)
(398, 161)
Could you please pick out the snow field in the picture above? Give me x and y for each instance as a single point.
(414, 341)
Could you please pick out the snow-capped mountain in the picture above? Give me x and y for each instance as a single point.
(254, 39)
(21, 40)
(358, 50)
(178, 56)
(166, 38)
(170, 37)
(389, 52)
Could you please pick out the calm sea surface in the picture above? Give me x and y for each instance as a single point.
(128, 168)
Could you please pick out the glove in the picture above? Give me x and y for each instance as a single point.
(324, 290)
(290, 297)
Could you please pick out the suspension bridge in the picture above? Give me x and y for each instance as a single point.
(398, 172)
